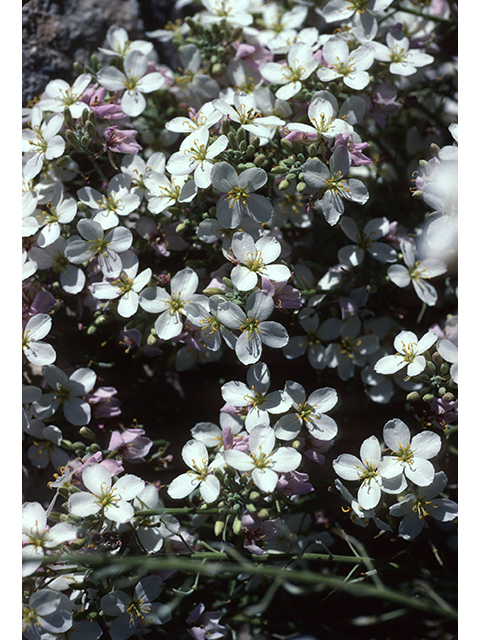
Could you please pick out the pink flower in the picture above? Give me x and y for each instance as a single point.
(121, 141)
(130, 444)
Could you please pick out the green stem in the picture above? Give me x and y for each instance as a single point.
(427, 16)
(218, 566)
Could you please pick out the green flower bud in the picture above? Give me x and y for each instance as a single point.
(312, 150)
(85, 141)
(91, 330)
(287, 145)
(90, 129)
(301, 186)
(431, 367)
(219, 527)
(448, 397)
(428, 397)
(297, 147)
(216, 68)
(283, 185)
(62, 161)
(254, 496)
(251, 508)
(67, 116)
(237, 525)
(71, 138)
(151, 340)
(87, 433)
(413, 396)
(444, 368)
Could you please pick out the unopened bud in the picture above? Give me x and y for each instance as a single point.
(71, 138)
(431, 367)
(90, 129)
(428, 397)
(151, 340)
(260, 159)
(254, 496)
(219, 527)
(237, 525)
(287, 145)
(62, 161)
(413, 396)
(216, 68)
(301, 186)
(67, 116)
(87, 433)
(444, 368)
(448, 397)
(283, 185)
(312, 150)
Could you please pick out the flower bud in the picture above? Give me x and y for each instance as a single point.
(283, 185)
(237, 525)
(90, 129)
(301, 186)
(287, 145)
(216, 68)
(259, 160)
(219, 527)
(254, 496)
(428, 397)
(62, 161)
(251, 508)
(67, 116)
(71, 138)
(444, 368)
(87, 433)
(413, 396)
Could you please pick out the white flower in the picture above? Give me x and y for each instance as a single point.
(131, 610)
(59, 94)
(254, 396)
(112, 501)
(195, 456)
(333, 186)
(211, 329)
(35, 350)
(152, 530)
(42, 141)
(72, 278)
(351, 66)
(97, 244)
(336, 10)
(37, 537)
(59, 212)
(238, 199)
(254, 326)
(67, 392)
(300, 64)
(352, 350)
(138, 169)
(449, 352)
(358, 514)
(47, 614)
(263, 462)
(134, 82)
(366, 240)
(171, 307)
(409, 354)
(415, 507)
(207, 116)
(126, 287)
(409, 454)
(163, 192)
(312, 341)
(46, 445)
(308, 411)
(244, 111)
(196, 156)
(120, 44)
(416, 272)
(368, 469)
(234, 12)
(119, 201)
(253, 259)
(403, 60)
(322, 112)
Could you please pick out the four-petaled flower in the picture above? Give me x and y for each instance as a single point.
(409, 354)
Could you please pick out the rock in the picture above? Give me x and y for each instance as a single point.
(57, 33)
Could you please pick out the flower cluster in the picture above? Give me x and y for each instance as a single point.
(243, 216)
